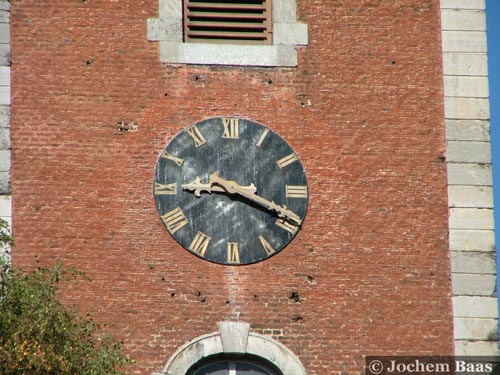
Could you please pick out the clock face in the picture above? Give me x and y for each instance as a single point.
(230, 190)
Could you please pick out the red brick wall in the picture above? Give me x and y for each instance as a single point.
(363, 110)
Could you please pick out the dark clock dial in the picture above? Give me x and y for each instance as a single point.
(230, 190)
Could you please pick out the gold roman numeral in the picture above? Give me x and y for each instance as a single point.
(287, 226)
(169, 189)
(200, 243)
(287, 160)
(296, 191)
(177, 161)
(233, 255)
(262, 137)
(174, 220)
(195, 133)
(231, 127)
(266, 245)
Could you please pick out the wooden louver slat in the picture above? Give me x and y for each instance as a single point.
(228, 21)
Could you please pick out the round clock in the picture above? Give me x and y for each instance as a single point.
(230, 190)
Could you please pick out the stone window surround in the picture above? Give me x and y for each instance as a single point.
(288, 34)
(233, 338)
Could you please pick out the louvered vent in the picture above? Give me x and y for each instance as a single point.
(228, 21)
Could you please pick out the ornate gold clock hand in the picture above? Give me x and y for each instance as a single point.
(232, 187)
(198, 187)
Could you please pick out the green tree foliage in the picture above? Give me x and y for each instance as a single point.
(41, 336)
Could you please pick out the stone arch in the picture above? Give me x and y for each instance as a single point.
(233, 338)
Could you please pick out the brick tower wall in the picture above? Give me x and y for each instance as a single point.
(369, 272)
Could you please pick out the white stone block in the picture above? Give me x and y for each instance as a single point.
(472, 240)
(4, 75)
(468, 130)
(4, 138)
(4, 33)
(459, 19)
(4, 116)
(160, 29)
(469, 174)
(476, 348)
(171, 9)
(466, 64)
(4, 160)
(5, 206)
(467, 108)
(465, 284)
(473, 262)
(471, 218)
(234, 336)
(227, 54)
(284, 11)
(290, 33)
(466, 86)
(475, 307)
(475, 329)
(5, 5)
(464, 41)
(4, 15)
(4, 54)
(468, 152)
(470, 196)
(462, 4)
(5, 182)
(4, 95)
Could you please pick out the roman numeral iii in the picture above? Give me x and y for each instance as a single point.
(296, 191)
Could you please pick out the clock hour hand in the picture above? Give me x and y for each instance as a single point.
(198, 187)
(233, 187)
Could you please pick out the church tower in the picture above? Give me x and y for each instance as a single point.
(278, 187)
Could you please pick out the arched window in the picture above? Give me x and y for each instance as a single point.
(233, 350)
(233, 366)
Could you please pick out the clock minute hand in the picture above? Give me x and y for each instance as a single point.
(197, 186)
(232, 187)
